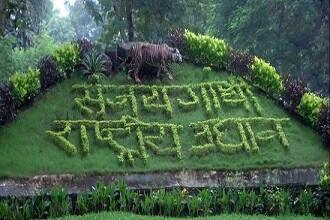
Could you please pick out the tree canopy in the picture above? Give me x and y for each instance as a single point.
(292, 34)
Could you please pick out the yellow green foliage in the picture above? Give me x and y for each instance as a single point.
(310, 107)
(25, 86)
(265, 76)
(325, 176)
(207, 50)
(67, 58)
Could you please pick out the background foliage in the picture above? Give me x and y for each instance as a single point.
(293, 35)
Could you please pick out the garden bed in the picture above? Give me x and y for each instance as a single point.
(274, 139)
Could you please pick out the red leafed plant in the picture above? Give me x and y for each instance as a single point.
(293, 91)
(324, 124)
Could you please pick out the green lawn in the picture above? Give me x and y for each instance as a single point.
(27, 150)
(129, 216)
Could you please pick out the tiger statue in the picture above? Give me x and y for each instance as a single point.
(158, 55)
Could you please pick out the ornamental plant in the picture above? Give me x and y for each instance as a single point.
(325, 176)
(176, 39)
(93, 63)
(293, 91)
(7, 105)
(49, 73)
(310, 106)
(240, 63)
(206, 50)
(25, 86)
(85, 46)
(323, 125)
(265, 76)
(67, 58)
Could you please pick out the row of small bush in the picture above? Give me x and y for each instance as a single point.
(177, 202)
(22, 87)
(313, 108)
(210, 51)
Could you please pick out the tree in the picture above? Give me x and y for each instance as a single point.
(24, 19)
(292, 35)
(148, 20)
(82, 22)
(3, 15)
(61, 29)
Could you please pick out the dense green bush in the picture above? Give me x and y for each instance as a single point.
(49, 73)
(25, 86)
(310, 106)
(7, 105)
(67, 57)
(265, 76)
(206, 50)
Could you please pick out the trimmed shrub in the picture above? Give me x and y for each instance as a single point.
(25, 86)
(323, 125)
(85, 46)
(240, 63)
(67, 58)
(176, 39)
(112, 54)
(265, 76)
(49, 74)
(206, 50)
(107, 65)
(7, 105)
(293, 91)
(310, 106)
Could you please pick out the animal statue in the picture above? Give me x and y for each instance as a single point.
(159, 55)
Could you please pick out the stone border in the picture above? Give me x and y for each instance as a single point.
(186, 178)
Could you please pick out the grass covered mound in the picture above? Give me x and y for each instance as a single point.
(205, 120)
